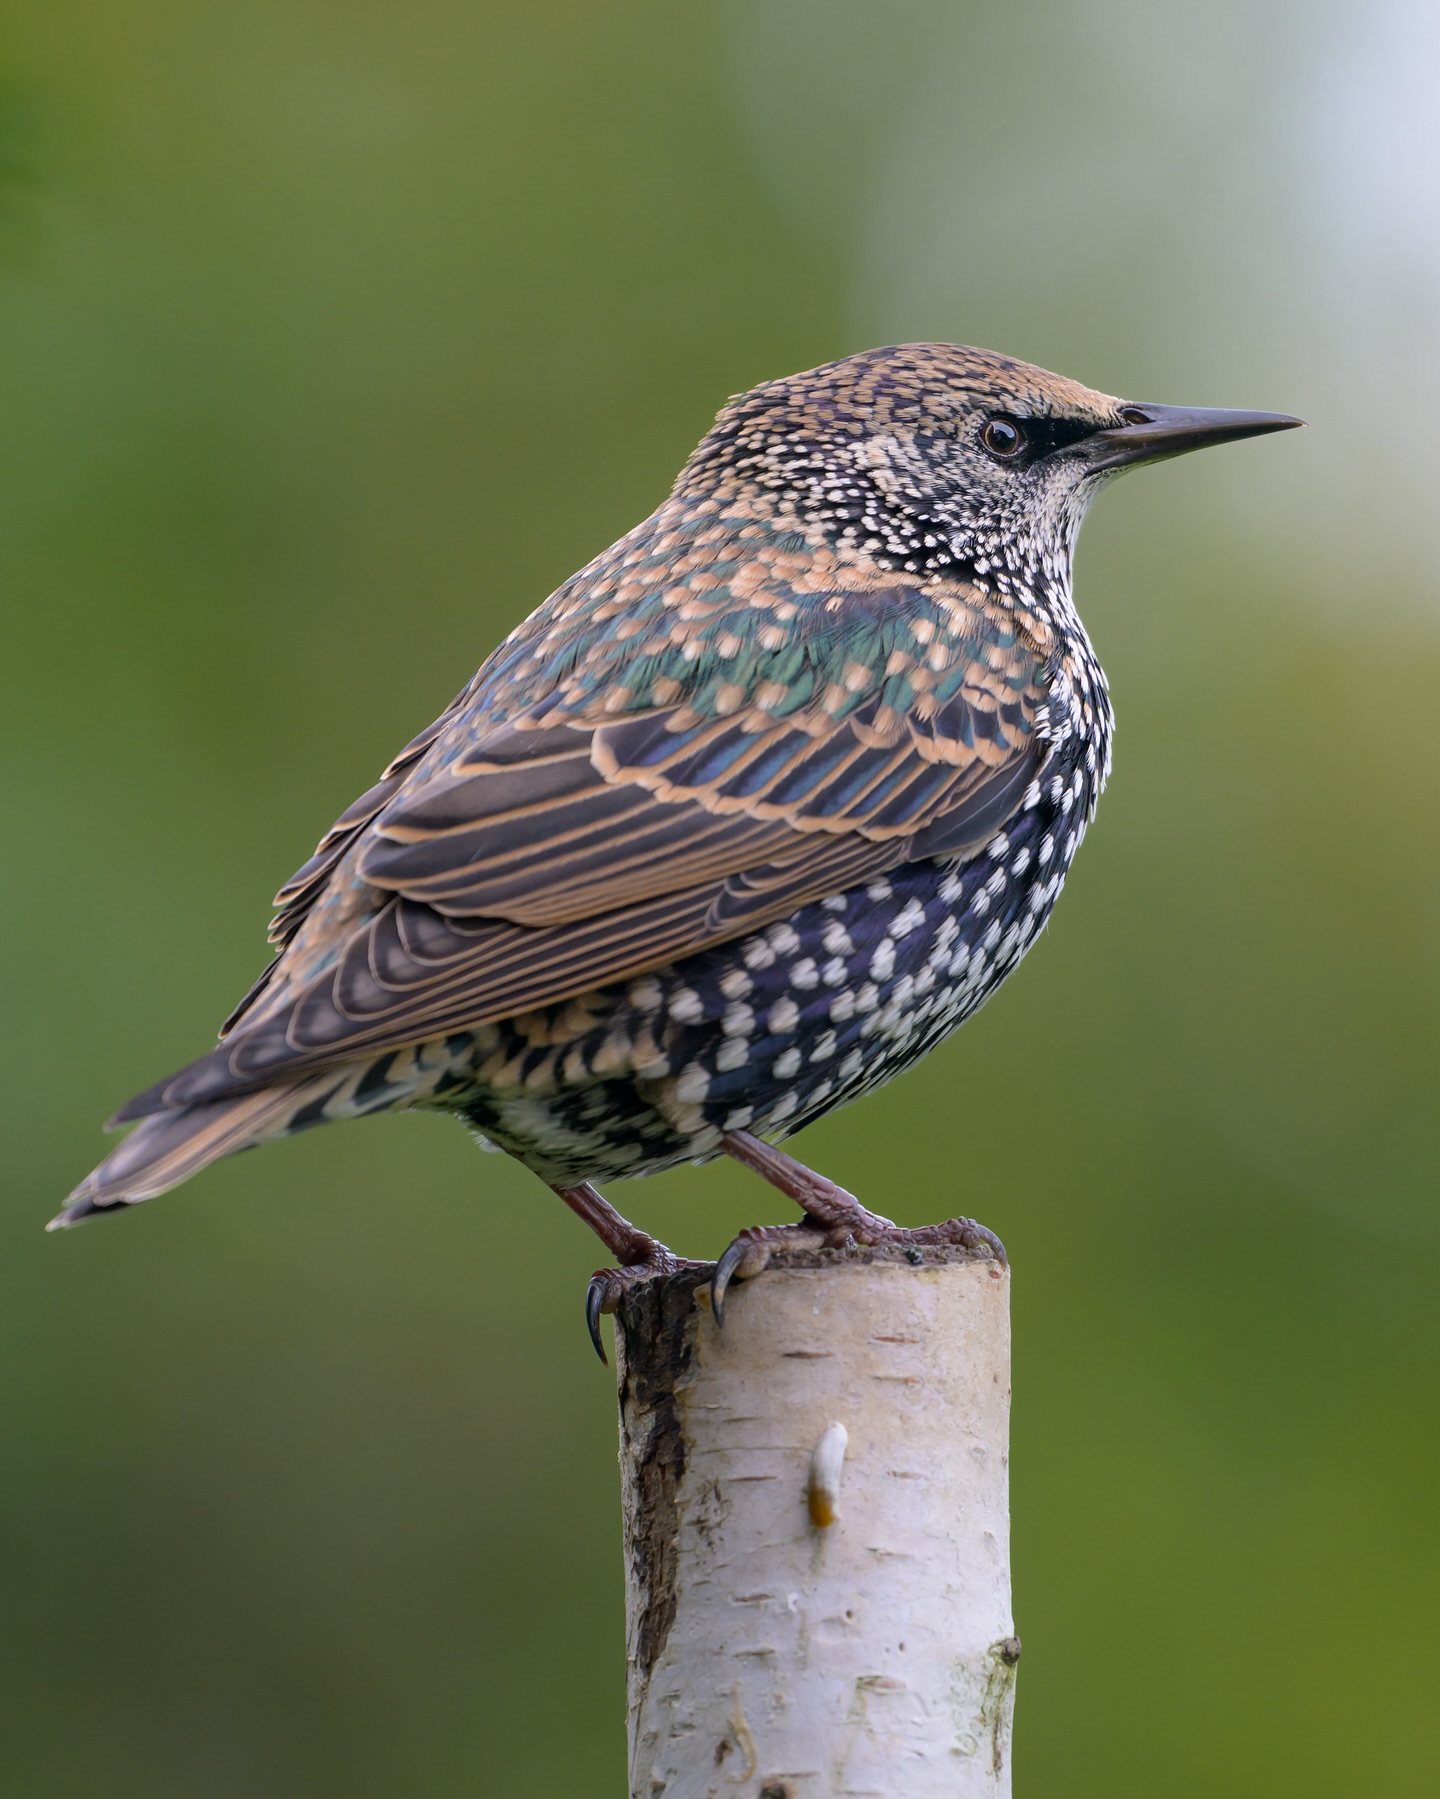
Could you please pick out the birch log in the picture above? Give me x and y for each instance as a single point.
(816, 1521)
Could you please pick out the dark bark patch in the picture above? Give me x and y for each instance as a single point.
(656, 1320)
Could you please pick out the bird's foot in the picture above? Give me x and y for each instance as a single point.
(640, 1256)
(834, 1219)
(751, 1251)
(608, 1286)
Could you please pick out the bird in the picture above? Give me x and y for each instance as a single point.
(744, 819)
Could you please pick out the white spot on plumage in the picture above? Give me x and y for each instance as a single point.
(692, 1084)
(739, 1020)
(784, 1015)
(909, 918)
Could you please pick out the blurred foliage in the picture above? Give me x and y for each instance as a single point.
(331, 337)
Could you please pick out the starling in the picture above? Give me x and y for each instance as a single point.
(750, 814)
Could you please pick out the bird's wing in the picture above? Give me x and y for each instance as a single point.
(573, 842)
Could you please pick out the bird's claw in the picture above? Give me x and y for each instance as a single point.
(982, 1234)
(601, 1296)
(751, 1252)
(608, 1287)
(746, 1257)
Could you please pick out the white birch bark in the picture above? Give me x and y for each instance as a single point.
(773, 1654)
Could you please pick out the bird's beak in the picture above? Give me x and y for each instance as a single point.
(1151, 433)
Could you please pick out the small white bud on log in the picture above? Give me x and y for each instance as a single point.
(826, 1462)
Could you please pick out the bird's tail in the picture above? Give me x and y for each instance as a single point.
(169, 1147)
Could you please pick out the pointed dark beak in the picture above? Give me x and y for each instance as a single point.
(1151, 433)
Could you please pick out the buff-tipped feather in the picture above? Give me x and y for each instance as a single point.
(168, 1148)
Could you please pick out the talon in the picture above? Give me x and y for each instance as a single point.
(595, 1296)
(720, 1279)
(983, 1235)
(745, 1258)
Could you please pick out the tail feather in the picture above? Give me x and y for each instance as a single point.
(169, 1147)
(171, 1144)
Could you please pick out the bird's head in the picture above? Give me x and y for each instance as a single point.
(938, 459)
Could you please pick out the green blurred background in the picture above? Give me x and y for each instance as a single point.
(333, 335)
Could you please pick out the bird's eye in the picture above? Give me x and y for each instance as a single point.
(1003, 438)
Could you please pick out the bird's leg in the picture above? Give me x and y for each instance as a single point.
(826, 1206)
(641, 1256)
(834, 1219)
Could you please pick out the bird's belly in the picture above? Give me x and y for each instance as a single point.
(767, 1033)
